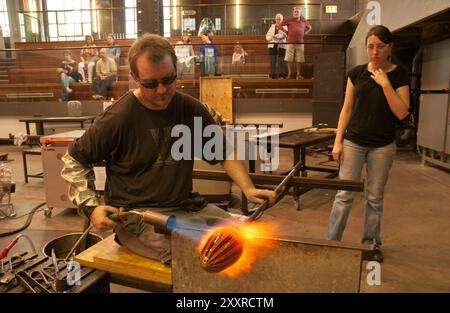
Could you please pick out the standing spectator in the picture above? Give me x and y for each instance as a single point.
(113, 51)
(376, 97)
(208, 56)
(88, 56)
(106, 70)
(185, 54)
(239, 55)
(68, 74)
(276, 36)
(298, 26)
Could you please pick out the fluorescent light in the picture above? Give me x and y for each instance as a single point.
(238, 16)
(174, 14)
(306, 9)
(34, 22)
(95, 17)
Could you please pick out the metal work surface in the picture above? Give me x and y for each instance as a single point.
(39, 121)
(300, 137)
(301, 265)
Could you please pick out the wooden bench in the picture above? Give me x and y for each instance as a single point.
(48, 74)
(50, 54)
(127, 268)
(52, 91)
(245, 88)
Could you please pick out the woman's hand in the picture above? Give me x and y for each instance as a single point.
(380, 77)
(337, 150)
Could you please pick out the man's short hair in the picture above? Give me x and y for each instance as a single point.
(154, 46)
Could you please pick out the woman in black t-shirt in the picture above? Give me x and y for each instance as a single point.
(377, 96)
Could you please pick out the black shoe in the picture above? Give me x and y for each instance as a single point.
(378, 255)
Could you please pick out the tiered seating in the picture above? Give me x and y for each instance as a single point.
(35, 77)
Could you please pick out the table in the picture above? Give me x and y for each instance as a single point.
(40, 120)
(299, 140)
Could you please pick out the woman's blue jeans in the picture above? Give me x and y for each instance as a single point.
(378, 163)
(66, 81)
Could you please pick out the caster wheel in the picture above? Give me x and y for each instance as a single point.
(48, 212)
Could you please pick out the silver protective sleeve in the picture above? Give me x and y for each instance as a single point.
(81, 183)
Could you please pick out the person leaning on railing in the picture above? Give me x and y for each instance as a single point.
(276, 37)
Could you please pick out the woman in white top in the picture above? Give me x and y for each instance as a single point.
(185, 55)
(277, 49)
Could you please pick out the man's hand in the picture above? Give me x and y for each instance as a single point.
(100, 220)
(259, 195)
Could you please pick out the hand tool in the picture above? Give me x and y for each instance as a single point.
(225, 245)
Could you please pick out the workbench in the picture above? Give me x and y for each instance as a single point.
(292, 265)
(299, 141)
(41, 120)
(127, 268)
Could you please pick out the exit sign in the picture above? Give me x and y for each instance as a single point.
(331, 9)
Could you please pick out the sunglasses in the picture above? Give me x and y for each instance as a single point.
(152, 84)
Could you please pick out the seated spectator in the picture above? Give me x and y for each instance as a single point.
(68, 74)
(185, 55)
(113, 51)
(239, 55)
(88, 56)
(106, 70)
(208, 56)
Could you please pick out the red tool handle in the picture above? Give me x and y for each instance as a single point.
(5, 251)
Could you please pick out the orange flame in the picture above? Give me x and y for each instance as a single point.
(256, 241)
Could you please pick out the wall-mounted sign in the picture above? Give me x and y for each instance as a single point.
(331, 9)
(188, 12)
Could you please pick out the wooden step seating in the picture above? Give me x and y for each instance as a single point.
(35, 79)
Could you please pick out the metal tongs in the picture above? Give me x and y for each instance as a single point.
(280, 191)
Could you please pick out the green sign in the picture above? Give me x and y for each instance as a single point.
(331, 9)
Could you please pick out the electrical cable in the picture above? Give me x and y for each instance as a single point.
(27, 223)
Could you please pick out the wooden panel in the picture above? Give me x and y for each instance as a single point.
(108, 256)
(218, 93)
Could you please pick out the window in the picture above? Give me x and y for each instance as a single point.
(130, 19)
(188, 24)
(4, 19)
(69, 19)
(166, 18)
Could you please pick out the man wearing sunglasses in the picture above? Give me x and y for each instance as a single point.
(134, 138)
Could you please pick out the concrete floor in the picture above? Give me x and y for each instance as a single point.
(415, 227)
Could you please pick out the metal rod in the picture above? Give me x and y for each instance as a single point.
(265, 205)
(78, 242)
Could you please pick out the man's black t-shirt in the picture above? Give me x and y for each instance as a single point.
(372, 123)
(135, 142)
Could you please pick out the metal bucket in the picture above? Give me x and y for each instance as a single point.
(63, 244)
